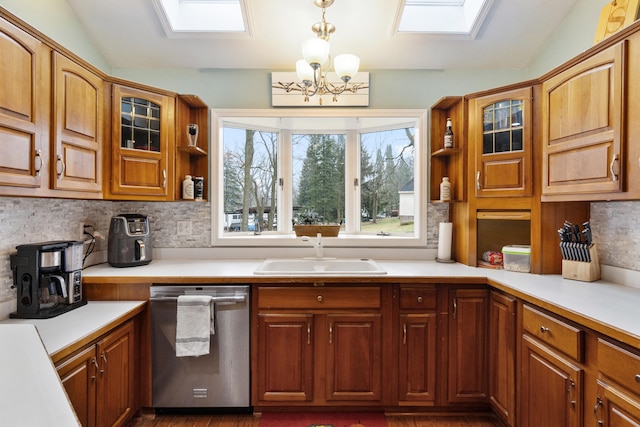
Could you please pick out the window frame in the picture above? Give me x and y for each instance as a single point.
(286, 237)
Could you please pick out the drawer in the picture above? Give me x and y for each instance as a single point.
(319, 297)
(620, 365)
(554, 332)
(418, 298)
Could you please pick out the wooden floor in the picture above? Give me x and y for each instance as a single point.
(253, 421)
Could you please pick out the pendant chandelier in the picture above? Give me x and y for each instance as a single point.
(316, 52)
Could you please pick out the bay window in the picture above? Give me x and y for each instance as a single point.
(363, 169)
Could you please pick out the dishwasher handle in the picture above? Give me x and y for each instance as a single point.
(222, 299)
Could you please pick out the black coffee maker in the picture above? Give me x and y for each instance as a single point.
(48, 277)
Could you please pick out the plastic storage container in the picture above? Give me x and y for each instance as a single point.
(517, 258)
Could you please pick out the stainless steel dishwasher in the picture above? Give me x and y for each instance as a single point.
(217, 380)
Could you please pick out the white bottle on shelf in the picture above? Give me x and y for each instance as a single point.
(187, 188)
(445, 190)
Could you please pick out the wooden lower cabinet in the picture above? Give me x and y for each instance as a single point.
(433, 347)
(615, 407)
(551, 387)
(502, 355)
(285, 357)
(467, 342)
(319, 346)
(417, 359)
(99, 379)
(79, 377)
(618, 392)
(417, 353)
(354, 357)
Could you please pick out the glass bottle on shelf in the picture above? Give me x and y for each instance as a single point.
(448, 135)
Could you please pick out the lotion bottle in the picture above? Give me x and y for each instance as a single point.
(445, 190)
(187, 188)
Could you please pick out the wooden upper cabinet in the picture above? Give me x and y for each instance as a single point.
(500, 132)
(142, 145)
(583, 126)
(76, 157)
(24, 107)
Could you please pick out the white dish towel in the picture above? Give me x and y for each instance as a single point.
(194, 326)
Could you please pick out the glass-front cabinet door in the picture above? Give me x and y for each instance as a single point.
(140, 124)
(502, 141)
(143, 138)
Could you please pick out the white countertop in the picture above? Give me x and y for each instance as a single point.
(32, 394)
(615, 306)
(26, 367)
(63, 330)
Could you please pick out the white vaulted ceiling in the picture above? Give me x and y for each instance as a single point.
(131, 34)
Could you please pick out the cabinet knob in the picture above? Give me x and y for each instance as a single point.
(638, 378)
(319, 298)
(420, 300)
(544, 329)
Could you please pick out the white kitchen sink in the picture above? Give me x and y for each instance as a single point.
(315, 266)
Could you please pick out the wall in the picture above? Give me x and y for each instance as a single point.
(575, 35)
(389, 88)
(56, 20)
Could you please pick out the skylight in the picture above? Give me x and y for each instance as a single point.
(461, 17)
(187, 18)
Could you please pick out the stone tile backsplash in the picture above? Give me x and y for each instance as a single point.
(616, 226)
(616, 231)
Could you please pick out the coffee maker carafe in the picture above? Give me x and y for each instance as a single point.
(48, 278)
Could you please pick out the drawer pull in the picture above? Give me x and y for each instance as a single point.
(39, 162)
(404, 334)
(596, 409)
(60, 167)
(571, 391)
(637, 378)
(420, 300)
(614, 160)
(319, 298)
(544, 329)
(95, 364)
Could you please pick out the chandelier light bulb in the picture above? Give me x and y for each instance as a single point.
(346, 66)
(304, 70)
(315, 51)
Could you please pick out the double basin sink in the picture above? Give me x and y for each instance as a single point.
(319, 266)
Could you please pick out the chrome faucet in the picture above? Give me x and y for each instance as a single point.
(317, 244)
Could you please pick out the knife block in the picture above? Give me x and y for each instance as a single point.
(583, 271)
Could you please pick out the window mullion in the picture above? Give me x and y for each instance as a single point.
(352, 182)
(285, 175)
